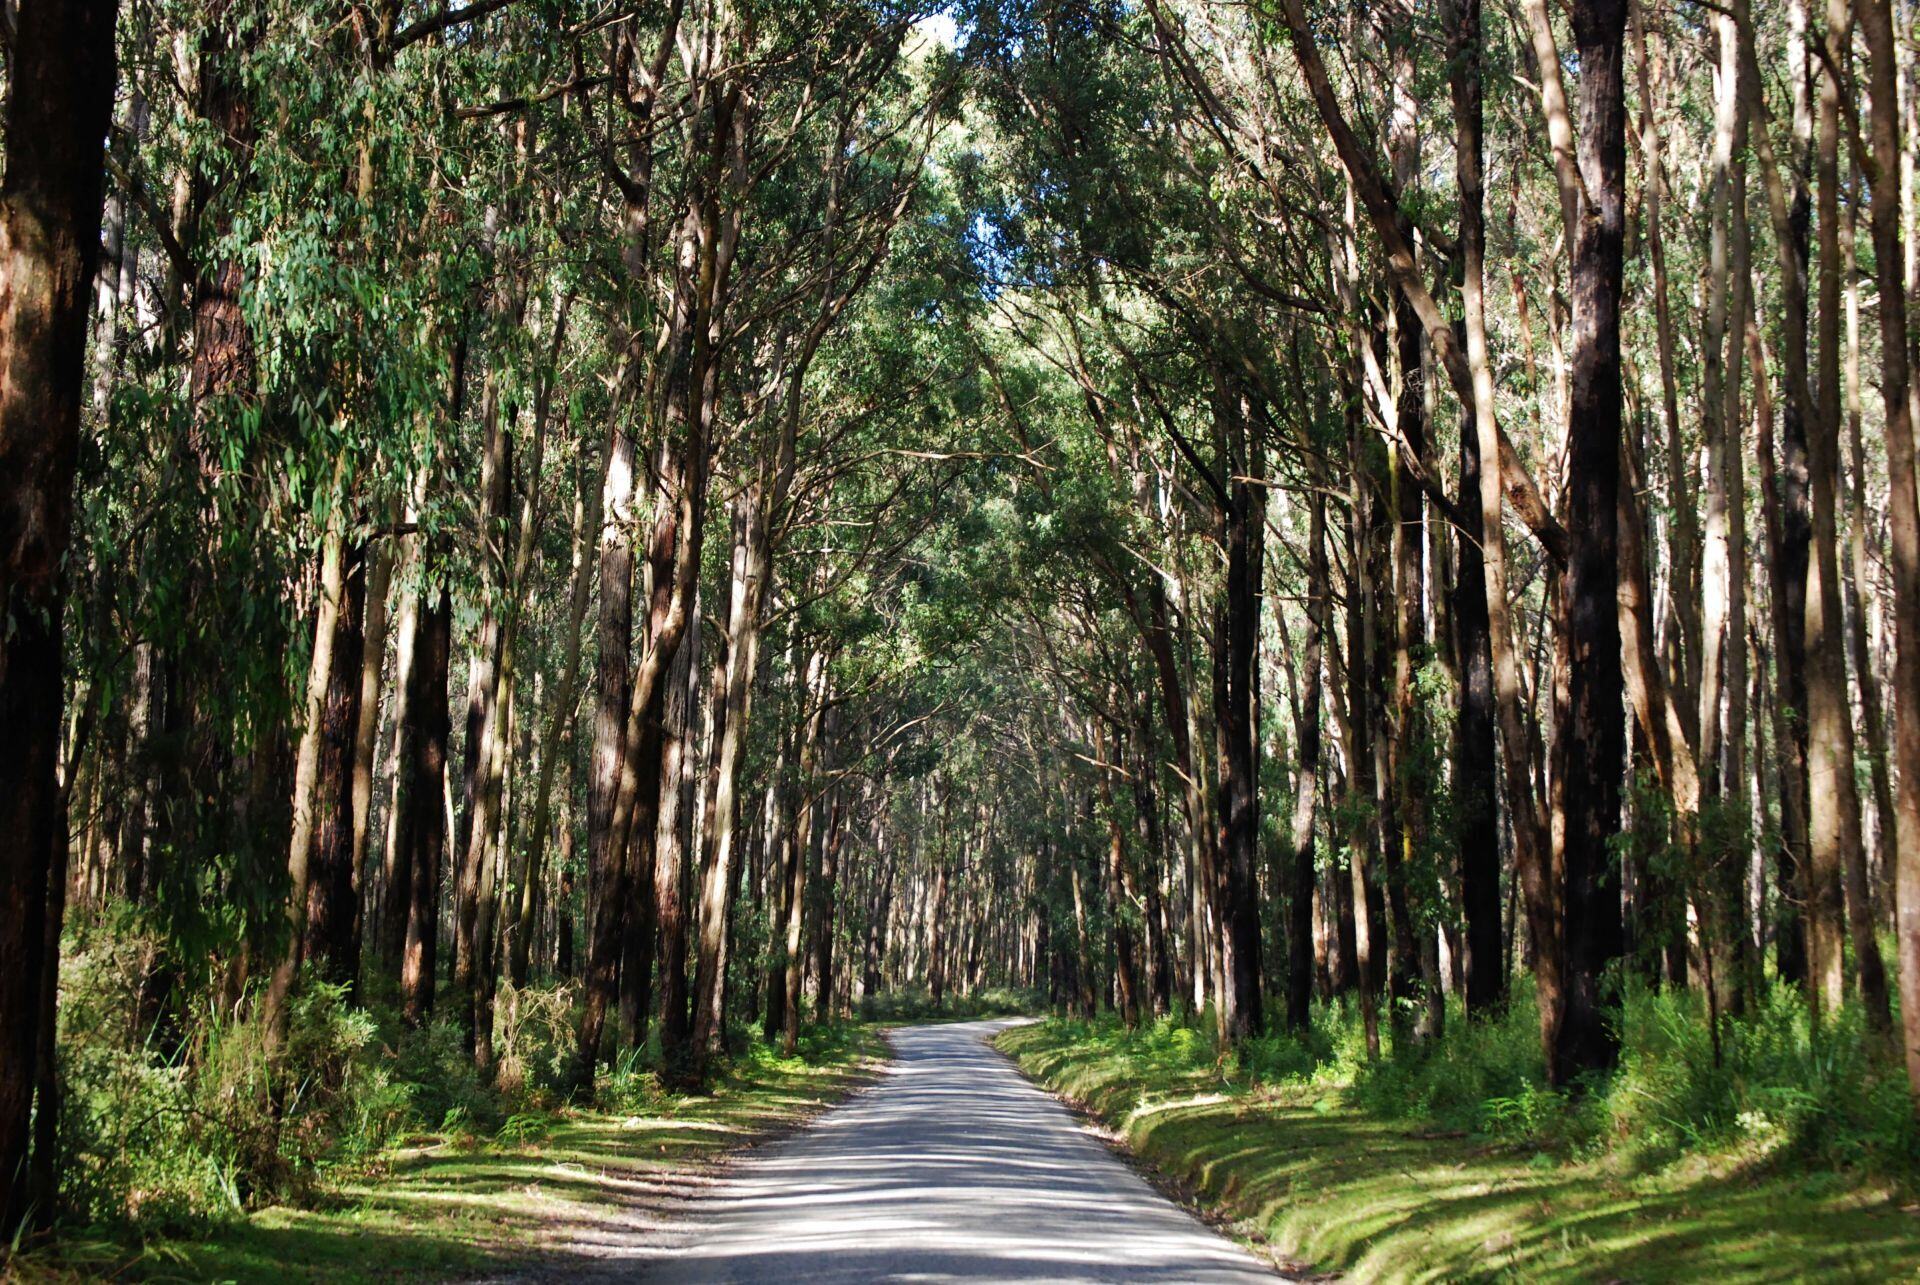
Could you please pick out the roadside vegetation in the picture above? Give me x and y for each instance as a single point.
(1790, 1157)
(383, 1156)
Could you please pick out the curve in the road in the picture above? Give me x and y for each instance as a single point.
(953, 1167)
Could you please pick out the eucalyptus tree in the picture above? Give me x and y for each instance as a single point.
(60, 69)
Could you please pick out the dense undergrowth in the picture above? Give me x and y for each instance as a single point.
(1792, 1153)
(183, 1130)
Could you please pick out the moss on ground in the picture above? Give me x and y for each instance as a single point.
(537, 1194)
(1337, 1188)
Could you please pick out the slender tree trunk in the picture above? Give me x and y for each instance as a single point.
(672, 829)
(1475, 787)
(747, 593)
(1837, 894)
(1589, 738)
(485, 733)
(1125, 953)
(1306, 770)
(587, 530)
(1532, 860)
(306, 772)
(823, 927)
(1240, 742)
(366, 733)
(1897, 388)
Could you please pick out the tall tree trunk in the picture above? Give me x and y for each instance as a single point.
(60, 65)
(1477, 842)
(609, 891)
(672, 830)
(1589, 742)
(1837, 896)
(486, 730)
(1306, 770)
(1790, 523)
(366, 733)
(823, 926)
(332, 906)
(1240, 739)
(306, 772)
(1896, 386)
(1125, 953)
(587, 531)
(426, 835)
(1532, 861)
(747, 593)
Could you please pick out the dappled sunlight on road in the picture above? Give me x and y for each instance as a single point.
(953, 1167)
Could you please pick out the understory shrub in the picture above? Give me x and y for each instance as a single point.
(537, 1037)
(200, 1119)
(1831, 1096)
(435, 1066)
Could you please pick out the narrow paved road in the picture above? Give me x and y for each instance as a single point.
(953, 1167)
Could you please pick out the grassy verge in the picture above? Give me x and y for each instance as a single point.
(544, 1190)
(1304, 1165)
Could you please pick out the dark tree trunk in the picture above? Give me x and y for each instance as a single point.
(1146, 812)
(1477, 831)
(1591, 733)
(333, 903)
(1126, 953)
(1307, 773)
(60, 97)
(427, 840)
(1792, 556)
(608, 894)
(1239, 720)
(823, 925)
(672, 830)
(784, 877)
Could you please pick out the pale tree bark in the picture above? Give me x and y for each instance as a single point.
(306, 771)
(745, 598)
(367, 732)
(1744, 977)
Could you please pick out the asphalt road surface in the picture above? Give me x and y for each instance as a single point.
(952, 1168)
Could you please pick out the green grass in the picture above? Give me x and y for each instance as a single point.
(442, 1205)
(1334, 1183)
